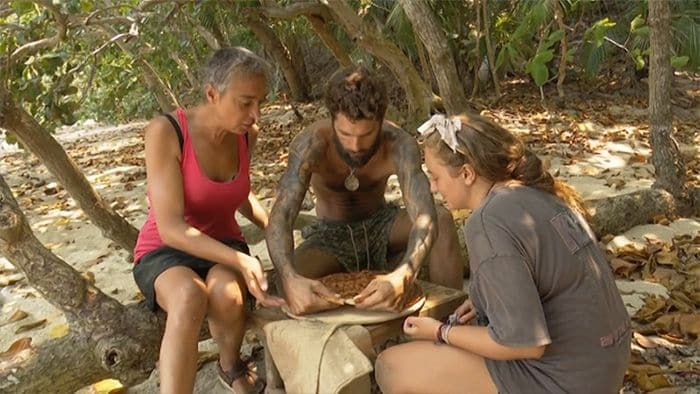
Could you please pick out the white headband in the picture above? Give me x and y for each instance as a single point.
(447, 127)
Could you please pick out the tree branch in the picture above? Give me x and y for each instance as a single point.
(35, 46)
(271, 9)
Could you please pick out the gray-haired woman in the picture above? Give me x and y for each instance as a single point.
(191, 258)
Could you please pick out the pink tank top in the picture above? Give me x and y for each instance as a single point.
(209, 206)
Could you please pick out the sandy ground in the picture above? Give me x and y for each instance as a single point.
(111, 159)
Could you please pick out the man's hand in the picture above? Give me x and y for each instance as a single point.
(255, 280)
(307, 295)
(421, 327)
(386, 292)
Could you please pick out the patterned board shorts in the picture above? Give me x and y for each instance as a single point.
(357, 245)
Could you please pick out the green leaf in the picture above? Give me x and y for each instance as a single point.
(501, 58)
(596, 33)
(539, 12)
(643, 31)
(543, 56)
(22, 7)
(512, 53)
(679, 61)
(87, 6)
(636, 23)
(556, 36)
(539, 72)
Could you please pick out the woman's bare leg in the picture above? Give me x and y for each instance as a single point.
(227, 317)
(182, 294)
(422, 367)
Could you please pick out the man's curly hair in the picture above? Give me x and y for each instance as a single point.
(357, 93)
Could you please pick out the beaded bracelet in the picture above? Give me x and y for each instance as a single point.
(444, 329)
(439, 339)
(444, 332)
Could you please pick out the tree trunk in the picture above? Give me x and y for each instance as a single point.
(433, 37)
(319, 26)
(489, 48)
(296, 55)
(427, 73)
(477, 54)
(273, 45)
(15, 119)
(563, 47)
(368, 36)
(106, 338)
(317, 15)
(665, 155)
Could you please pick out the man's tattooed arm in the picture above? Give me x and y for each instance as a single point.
(417, 197)
(303, 153)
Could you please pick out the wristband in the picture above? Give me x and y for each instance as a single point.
(444, 332)
(439, 339)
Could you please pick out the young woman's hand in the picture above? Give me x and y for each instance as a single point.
(421, 327)
(465, 312)
(255, 280)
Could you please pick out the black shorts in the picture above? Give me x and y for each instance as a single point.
(158, 260)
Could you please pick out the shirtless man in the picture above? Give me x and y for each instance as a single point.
(347, 160)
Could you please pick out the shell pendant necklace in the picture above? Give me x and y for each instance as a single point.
(351, 182)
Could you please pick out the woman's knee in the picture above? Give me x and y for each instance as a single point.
(387, 372)
(226, 288)
(189, 301)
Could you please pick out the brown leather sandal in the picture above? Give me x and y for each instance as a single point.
(245, 369)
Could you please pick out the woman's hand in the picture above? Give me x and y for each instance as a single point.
(421, 327)
(465, 312)
(255, 280)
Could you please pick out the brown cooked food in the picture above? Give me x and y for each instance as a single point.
(350, 284)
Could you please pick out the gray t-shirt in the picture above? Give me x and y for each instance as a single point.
(538, 277)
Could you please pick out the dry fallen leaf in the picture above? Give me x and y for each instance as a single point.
(30, 326)
(16, 316)
(107, 386)
(690, 324)
(653, 306)
(644, 341)
(11, 279)
(89, 277)
(622, 267)
(138, 297)
(17, 346)
(59, 330)
(667, 258)
(653, 382)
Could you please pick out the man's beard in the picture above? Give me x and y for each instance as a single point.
(356, 161)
